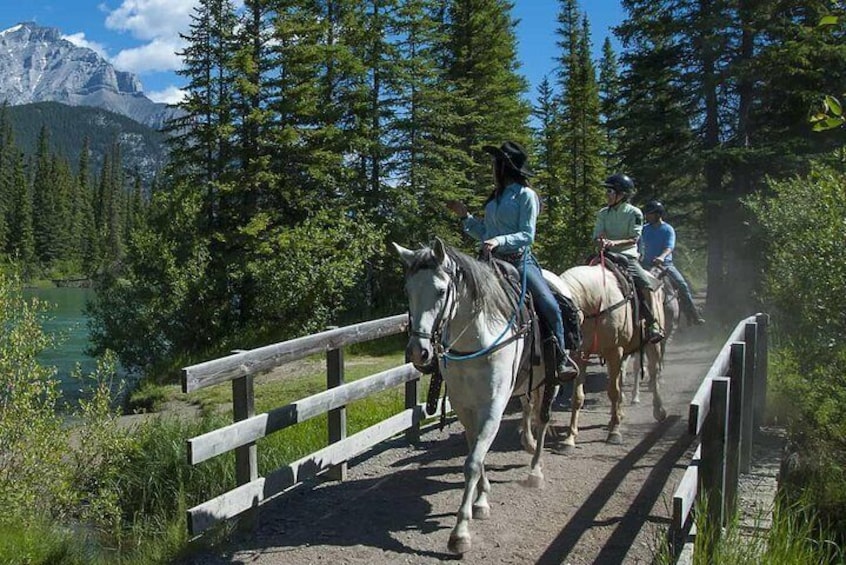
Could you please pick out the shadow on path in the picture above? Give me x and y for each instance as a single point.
(630, 524)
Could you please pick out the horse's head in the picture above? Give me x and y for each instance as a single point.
(430, 285)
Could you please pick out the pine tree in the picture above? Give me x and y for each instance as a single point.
(44, 202)
(200, 141)
(429, 163)
(552, 246)
(22, 240)
(579, 131)
(89, 242)
(610, 105)
(482, 70)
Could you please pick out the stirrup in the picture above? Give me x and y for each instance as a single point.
(567, 369)
(654, 333)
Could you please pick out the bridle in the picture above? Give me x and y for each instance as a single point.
(437, 336)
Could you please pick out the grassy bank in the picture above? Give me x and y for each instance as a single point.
(131, 509)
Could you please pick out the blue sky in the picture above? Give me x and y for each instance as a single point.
(141, 36)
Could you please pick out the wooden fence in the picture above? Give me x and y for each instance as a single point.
(241, 436)
(724, 413)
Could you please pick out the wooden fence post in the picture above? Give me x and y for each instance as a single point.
(763, 321)
(246, 461)
(748, 408)
(737, 360)
(712, 465)
(338, 417)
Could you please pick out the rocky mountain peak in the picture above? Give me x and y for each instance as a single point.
(38, 65)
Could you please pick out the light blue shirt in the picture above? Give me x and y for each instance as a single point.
(509, 219)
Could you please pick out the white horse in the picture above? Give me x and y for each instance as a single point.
(464, 321)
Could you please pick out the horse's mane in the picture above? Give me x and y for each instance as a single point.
(482, 282)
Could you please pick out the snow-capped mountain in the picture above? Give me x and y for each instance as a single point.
(37, 65)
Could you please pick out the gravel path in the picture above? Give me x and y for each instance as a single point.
(604, 504)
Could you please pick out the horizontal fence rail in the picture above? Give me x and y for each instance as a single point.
(725, 411)
(241, 436)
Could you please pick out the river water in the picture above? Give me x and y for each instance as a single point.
(65, 319)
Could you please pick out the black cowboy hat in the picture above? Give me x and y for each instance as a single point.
(513, 155)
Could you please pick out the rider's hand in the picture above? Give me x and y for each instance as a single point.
(458, 208)
(489, 245)
(604, 243)
(658, 261)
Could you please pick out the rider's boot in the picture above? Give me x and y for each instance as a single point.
(654, 333)
(566, 367)
(694, 318)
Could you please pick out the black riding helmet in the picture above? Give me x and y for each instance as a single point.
(620, 183)
(654, 206)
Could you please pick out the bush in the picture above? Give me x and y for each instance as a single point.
(32, 439)
(803, 222)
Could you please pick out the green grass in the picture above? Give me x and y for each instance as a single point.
(38, 543)
(796, 537)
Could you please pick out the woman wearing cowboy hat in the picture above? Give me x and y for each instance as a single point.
(508, 231)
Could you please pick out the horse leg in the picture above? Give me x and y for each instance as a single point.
(615, 395)
(576, 403)
(527, 438)
(654, 356)
(543, 397)
(635, 373)
(487, 424)
(481, 506)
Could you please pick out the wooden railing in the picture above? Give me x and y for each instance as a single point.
(241, 436)
(725, 412)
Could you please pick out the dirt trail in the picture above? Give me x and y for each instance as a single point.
(604, 504)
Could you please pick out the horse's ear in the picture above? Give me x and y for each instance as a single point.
(407, 255)
(439, 249)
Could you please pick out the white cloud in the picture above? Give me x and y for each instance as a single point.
(158, 55)
(152, 19)
(79, 40)
(170, 95)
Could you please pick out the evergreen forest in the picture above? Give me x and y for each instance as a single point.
(315, 134)
(63, 220)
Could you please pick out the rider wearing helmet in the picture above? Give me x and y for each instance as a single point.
(657, 243)
(508, 231)
(618, 230)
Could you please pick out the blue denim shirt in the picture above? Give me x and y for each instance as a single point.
(509, 219)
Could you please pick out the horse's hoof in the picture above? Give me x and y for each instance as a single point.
(659, 414)
(459, 545)
(529, 447)
(614, 438)
(635, 400)
(564, 449)
(535, 479)
(481, 512)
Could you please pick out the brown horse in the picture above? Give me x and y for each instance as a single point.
(609, 331)
(671, 312)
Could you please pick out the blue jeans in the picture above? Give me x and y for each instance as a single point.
(544, 301)
(684, 290)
